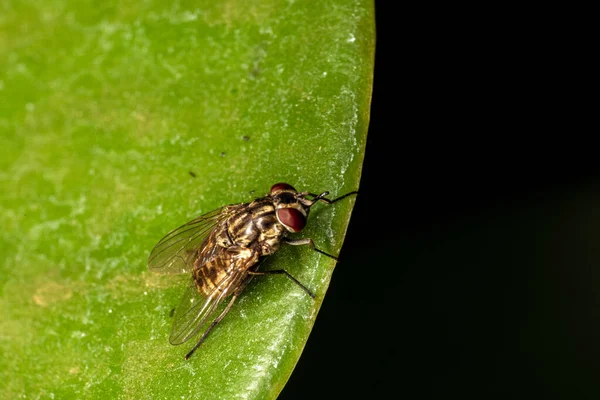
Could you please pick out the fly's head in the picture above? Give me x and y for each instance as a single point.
(291, 207)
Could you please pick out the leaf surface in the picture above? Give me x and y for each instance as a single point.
(120, 121)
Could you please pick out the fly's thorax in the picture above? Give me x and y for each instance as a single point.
(290, 211)
(262, 212)
(270, 229)
(256, 226)
(241, 230)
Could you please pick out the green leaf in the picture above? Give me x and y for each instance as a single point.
(107, 109)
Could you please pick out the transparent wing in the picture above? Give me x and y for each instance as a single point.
(174, 254)
(195, 310)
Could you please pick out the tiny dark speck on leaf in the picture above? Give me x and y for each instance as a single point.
(252, 191)
(246, 138)
(222, 154)
(171, 313)
(192, 174)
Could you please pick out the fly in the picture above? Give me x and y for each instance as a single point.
(223, 250)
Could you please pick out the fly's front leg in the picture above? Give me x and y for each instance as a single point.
(309, 242)
(321, 197)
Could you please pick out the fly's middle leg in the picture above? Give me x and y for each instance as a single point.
(310, 243)
(283, 272)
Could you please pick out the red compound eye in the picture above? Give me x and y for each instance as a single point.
(292, 219)
(278, 187)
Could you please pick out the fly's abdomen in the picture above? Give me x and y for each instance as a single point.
(224, 270)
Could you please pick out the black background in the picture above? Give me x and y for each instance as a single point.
(472, 263)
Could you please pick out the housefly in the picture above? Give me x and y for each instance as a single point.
(223, 250)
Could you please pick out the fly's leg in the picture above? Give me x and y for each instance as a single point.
(310, 243)
(212, 325)
(283, 272)
(321, 197)
(309, 203)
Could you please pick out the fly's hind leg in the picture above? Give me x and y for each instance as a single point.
(213, 324)
(310, 243)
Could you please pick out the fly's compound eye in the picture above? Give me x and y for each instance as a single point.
(292, 219)
(279, 187)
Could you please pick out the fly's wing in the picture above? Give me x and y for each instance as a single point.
(175, 253)
(192, 313)
(195, 309)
